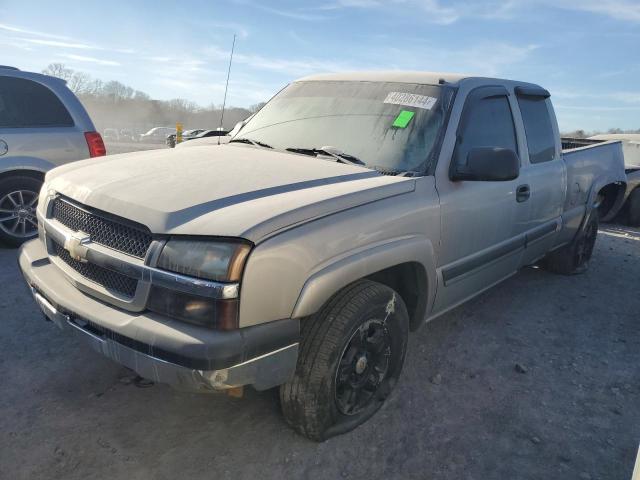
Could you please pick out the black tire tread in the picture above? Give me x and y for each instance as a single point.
(321, 336)
(562, 261)
(633, 204)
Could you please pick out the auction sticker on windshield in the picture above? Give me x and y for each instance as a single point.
(411, 100)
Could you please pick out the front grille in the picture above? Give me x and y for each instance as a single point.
(103, 228)
(109, 279)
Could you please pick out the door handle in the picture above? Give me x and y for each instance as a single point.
(523, 192)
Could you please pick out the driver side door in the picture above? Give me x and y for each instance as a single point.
(482, 236)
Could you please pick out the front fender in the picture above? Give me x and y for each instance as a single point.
(330, 278)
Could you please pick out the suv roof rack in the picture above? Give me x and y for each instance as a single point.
(7, 67)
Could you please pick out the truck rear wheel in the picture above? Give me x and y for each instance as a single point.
(351, 356)
(18, 202)
(633, 204)
(574, 258)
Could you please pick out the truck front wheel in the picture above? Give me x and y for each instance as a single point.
(351, 356)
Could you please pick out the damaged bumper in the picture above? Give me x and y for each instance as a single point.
(187, 357)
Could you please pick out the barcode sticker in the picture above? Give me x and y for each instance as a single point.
(411, 100)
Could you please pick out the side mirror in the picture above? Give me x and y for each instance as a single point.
(488, 164)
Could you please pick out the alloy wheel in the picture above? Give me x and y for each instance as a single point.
(18, 213)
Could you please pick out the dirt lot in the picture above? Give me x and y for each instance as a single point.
(461, 410)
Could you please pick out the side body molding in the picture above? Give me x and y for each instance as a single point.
(330, 278)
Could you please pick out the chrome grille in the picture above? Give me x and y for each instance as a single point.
(103, 228)
(109, 279)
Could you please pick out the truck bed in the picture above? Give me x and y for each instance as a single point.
(591, 165)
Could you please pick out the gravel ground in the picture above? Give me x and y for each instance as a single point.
(538, 378)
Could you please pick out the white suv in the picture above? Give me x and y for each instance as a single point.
(42, 125)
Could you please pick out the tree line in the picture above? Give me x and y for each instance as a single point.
(112, 104)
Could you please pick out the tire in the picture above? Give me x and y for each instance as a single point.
(351, 356)
(18, 202)
(633, 204)
(574, 258)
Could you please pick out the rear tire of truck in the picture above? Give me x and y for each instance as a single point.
(633, 204)
(574, 258)
(351, 356)
(18, 202)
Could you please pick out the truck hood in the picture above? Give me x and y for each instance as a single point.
(228, 190)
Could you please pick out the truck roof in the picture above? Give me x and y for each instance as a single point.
(427, 78)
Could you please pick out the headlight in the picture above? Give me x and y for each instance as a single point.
(221, 261)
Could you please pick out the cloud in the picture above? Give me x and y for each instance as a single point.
(488, 58)
(57, 43)
(626, 10)
(595, 108)
(24, 31)
(236, 28)
(81, 58)
(296, 14)
(350, 4)
(291, 67)
(621, 97)
(446, 13)
(435, 11)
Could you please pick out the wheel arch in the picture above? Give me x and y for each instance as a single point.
(25, 172)
(609, 198)
(406, 265)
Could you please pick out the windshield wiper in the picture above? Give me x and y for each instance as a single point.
(339, 155)
(255, 143)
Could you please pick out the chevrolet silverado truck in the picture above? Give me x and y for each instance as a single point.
(350, 210)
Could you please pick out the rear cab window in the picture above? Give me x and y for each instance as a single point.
(28, 104)
(538, 128)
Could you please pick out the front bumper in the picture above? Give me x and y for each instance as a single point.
(187, 357)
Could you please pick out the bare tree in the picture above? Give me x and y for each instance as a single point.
(58, 70)
(80, 83)
(256, 107)
(115, 105)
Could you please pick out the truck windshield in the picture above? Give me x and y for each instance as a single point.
(387, 125)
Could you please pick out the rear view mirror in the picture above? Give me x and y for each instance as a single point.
(489, 164)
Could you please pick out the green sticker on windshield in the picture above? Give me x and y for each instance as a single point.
(403, 119)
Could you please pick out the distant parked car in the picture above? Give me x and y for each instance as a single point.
(111, 135)
(218, 132)
(42, 125)
(127, 135)
(157, 135)
(220, 137)
(186, 135)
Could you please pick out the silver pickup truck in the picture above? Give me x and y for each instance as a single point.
(349, 211)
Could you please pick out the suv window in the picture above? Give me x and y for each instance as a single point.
(24, 103)
(537, 127)
(488, 122)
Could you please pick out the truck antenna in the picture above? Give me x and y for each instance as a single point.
(224, 102)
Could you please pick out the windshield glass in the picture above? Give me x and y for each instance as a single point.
(387, 125)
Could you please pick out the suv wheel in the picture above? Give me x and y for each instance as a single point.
(18, 202)
(351, 355)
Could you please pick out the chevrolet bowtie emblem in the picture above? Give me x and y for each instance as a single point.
(76, 246)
